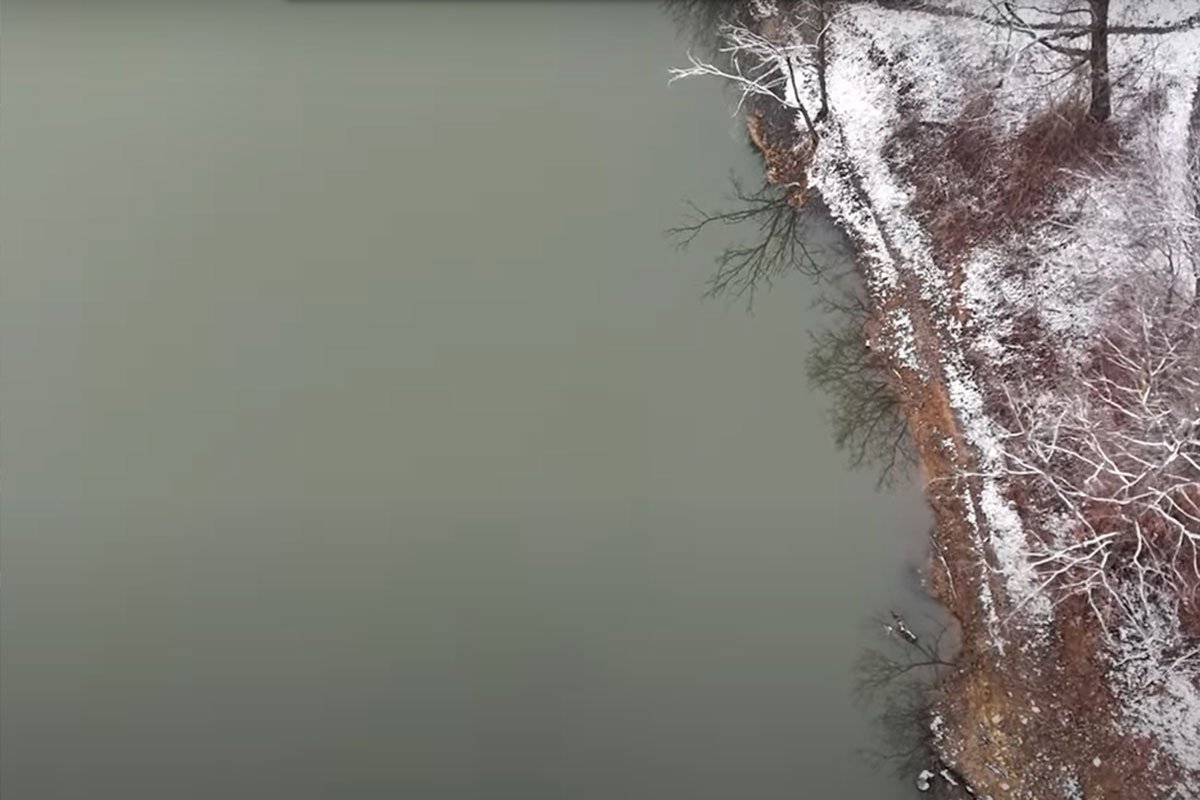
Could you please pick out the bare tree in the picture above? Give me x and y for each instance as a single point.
(1100, 107)
(821, 19)
(804, 21)
(1111, 459)
(1062, 29)
(759, 66)
(791, 32)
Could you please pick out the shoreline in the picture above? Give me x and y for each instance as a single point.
(1030, 708)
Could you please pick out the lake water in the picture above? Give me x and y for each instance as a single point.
(364, 437)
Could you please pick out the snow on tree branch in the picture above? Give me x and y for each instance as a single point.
(758, 66)
(1111, 461)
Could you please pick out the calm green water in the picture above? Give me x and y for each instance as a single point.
(365, 438)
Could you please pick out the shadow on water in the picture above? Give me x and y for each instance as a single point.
(782, 239)
(893, 677)
(893, 682)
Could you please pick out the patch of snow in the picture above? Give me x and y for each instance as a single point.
(902, 339)
(937, 726)
(1071, 789)
(986, 601)
(1155, 676)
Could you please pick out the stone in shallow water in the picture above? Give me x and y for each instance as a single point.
(923, 780)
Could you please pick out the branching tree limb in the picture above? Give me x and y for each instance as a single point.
(1061, 27)
(758, 66)
(1111, 459)
(996, 19)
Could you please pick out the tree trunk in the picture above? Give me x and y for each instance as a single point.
(1101, 105)
(821, 22)
(808, 123)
